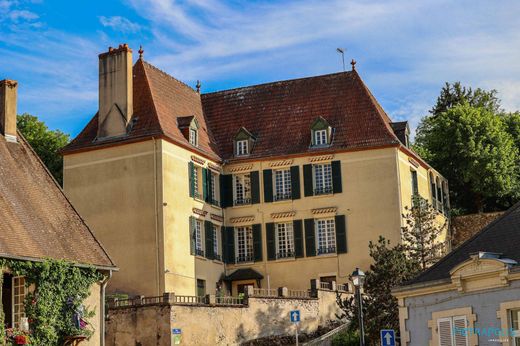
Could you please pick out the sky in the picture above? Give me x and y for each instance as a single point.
(405, 50)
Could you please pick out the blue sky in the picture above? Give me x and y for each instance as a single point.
(405, 50)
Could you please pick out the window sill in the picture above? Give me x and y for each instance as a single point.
(244, 263)
(325, 255)
(321, 195)
(241, 205)
(201, 258)
(217, 262)
(282, 201)
(214, 206)
(286, 259)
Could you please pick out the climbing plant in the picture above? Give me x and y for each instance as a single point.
(60, 288)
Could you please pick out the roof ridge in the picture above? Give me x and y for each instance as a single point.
(465, 243)
(276, 82)
(167, 75)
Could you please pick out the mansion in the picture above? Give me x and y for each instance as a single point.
(269, 185)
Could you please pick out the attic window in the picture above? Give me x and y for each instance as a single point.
(321, 133)
(242, 147)
(189, 127)
(243, 142)
(193, 137)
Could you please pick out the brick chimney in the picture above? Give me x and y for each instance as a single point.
(115, 91)
(8, 91)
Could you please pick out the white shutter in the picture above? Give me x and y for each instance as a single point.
(460, 332)
(444, 327)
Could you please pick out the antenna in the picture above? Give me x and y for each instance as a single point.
(342, 52)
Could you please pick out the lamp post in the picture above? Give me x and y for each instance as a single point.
(358, 279)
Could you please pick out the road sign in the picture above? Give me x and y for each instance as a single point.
(387, 337)
(295, 316)
(176, 336)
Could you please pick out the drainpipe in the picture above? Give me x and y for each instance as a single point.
(103, 313)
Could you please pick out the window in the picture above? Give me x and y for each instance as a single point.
(322, 179)
(197, 186)
(320, 137)
(282, 183)
(216, 237)
(213, 189)
(326, 236)
(452, 331)
(433, 191)
(242, 189)
(242, 147)
(439, 195)
(415, 183)
(514, 318)
(193, 137)
(19, 292)
(201, 288)
(198, 238)
(244, 242)
(284, 240)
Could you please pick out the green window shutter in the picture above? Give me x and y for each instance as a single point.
(226, 190)
(228, 234)
(191, 175)
(255, 187)
(307, 181)
(310, 245)
(268, 185)
(192, 235)
(298, 238)
(257, 242)
(270, 236)
(341, 234)
(295, 182)
(336, 176)
(208, 234)
(205, 184)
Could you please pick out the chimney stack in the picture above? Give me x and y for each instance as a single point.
(115, 91)
(8, 91)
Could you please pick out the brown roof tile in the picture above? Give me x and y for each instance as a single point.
(36, 219)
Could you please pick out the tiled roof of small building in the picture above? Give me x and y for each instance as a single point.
(36, 219)
(500, 236)
(279, 115)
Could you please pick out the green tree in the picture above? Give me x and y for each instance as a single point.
(472, 148)
(390, 268)
(45, 142)
(420, 233)
(455, 94)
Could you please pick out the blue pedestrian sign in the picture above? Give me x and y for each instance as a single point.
(295, 316)
(387, 337)
(176, 331)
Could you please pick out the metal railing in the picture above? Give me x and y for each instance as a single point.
(214, 202)
(242, 201)
(326, 249)
(323, 190)
(265, 292)
(298, 294)
(282, 196)
(245, 259)
(285, 254)
(325, 285)
(199, 252)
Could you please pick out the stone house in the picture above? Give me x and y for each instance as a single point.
(37, 221)
(268, 186)
(471, 296)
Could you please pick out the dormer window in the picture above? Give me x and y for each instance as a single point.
(189, 127)
(321, 133)
(242, 147)
(193, 137)
(243, 143)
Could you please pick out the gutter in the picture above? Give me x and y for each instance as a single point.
(103, 312)
(79, 265)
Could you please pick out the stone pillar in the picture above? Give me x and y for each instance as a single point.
(8, 94)
(211, 299)
(283, 292)
(168, 297)
(250, 291)
(334, 286)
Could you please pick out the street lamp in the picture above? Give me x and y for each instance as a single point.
(358, 279)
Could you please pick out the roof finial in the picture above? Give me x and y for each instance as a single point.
(353, 63)
(141, 51)
(198, 86)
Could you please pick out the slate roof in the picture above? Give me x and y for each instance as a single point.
(244, 274)
(272, 111)
(36, 219)
(500, 236)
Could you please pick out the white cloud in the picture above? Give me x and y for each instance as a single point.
(121, 24)
(19, 15)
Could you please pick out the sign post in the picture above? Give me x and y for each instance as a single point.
(295, 318)
(387, 337)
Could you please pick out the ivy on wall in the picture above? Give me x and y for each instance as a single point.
(60, 289)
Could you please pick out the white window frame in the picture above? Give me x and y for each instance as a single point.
(241, 189)
(199, 244)
(325, 231)
(515, 332)
(197, 181)
(456, 338)
(284, 240)
(320, 137)
(244, 244)
(216, 242)
(19, 291)
(282, 184)
(242, 147)
(322, 178)
(193, 137)
(213, 192)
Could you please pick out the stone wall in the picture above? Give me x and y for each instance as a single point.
(206, 324)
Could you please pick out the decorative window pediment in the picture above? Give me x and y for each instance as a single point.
(243, 142)
(321, 133)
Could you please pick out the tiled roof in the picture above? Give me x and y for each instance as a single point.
(271, 112)
(36, 219)
(500, 236)
(244, 274)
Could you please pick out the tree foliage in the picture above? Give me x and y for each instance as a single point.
(471, 146)
(421, 232)
(455, 94)
(390, 268)
(45, 142)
